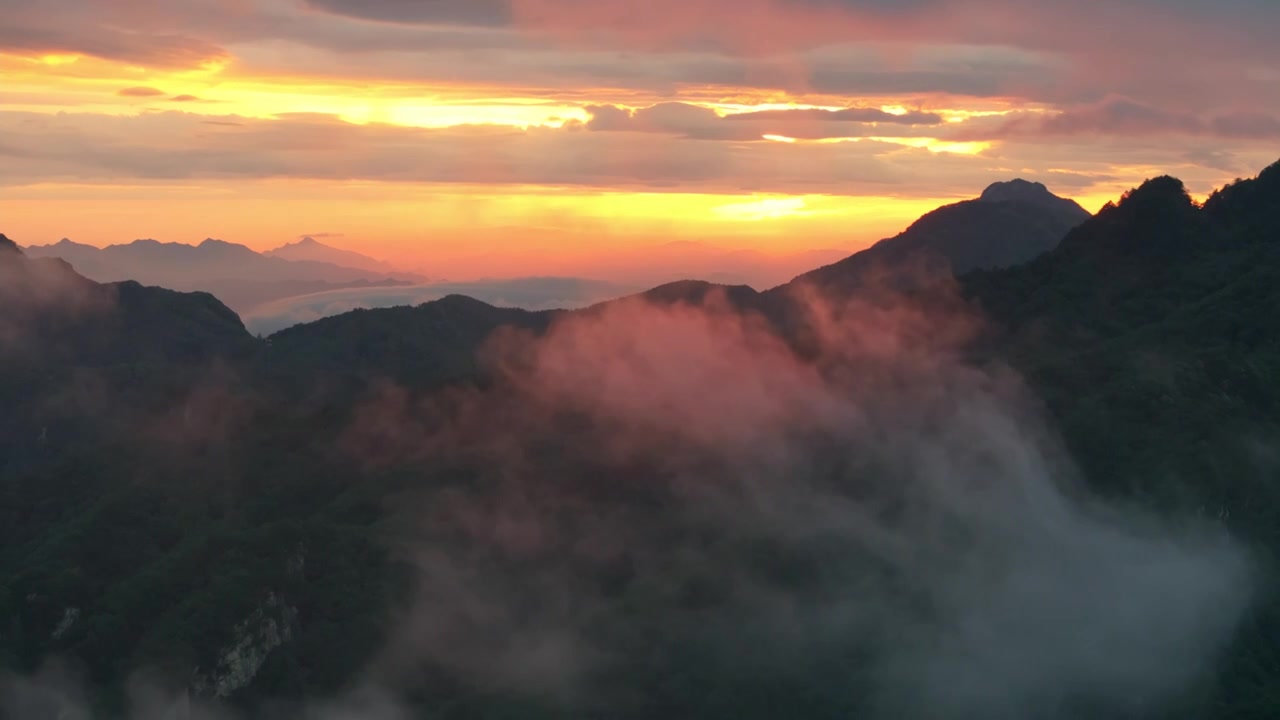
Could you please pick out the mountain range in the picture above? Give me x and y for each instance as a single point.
(663, 506)
(237, 275)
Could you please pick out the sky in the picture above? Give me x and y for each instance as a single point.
(475, 138)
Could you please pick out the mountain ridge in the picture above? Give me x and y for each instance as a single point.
(238, 275)
(1011, 223)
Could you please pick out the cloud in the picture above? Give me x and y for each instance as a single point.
(162, 147)
(1246, 125)
(1041, 52)
(184, 98)
(435, 12)
(140, 92)
(54, 33)
(166, 146)
(674, 511)
(690, 121)
(56, 691)
(43, 297)
(1119, 116)
(851, 114)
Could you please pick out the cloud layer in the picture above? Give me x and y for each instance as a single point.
(675, 513)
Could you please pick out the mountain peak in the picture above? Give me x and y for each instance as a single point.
(1017, 190)
(8, 246)
(1163, 191)
(224, 248)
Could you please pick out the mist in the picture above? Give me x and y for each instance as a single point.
(675, 515)
(39, 293)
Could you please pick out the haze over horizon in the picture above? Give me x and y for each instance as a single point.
(527, 137)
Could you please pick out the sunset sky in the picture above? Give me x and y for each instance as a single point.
(508, 137)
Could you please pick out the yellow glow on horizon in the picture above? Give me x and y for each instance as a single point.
(427, 224)
(779, 138)
(443, 116)
(55, 59)
(936, 145)
(763, 209)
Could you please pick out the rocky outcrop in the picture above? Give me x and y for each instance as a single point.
(269, 627)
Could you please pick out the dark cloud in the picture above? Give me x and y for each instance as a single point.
(1119, 116)
(140, 92)
(852, 114)
(488, 13)
(172, 145)
(694, 122)
(169, 51)
(874, 6)
(1246, 125)
(159, 147)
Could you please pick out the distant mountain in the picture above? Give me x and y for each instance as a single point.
(1009, 224)
(234, 273)
(531, 293)
(310, 249)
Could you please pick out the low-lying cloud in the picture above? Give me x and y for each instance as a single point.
(675, 515)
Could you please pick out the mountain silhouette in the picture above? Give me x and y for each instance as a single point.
(1009, 224)
(239, 276)
(310, 249)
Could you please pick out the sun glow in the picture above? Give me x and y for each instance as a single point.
(763, 209)
(937, 145)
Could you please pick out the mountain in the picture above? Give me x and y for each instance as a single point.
(633, 512)
(530, 293)
(310, 249)
(1009, 224)
(234, 273)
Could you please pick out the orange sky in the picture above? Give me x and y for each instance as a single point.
(511, 137)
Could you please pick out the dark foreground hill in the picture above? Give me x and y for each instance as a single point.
(1048, 490)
